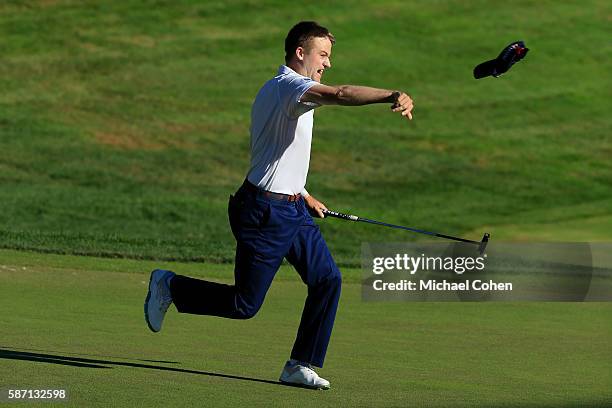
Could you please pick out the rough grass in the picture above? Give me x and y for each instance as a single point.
(124, 125)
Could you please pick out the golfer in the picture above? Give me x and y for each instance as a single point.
(271, 213)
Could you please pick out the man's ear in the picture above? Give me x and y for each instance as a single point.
(299, 53)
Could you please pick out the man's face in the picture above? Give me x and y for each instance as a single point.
(316, 57)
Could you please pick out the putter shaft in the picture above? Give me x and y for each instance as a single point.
(481, 244)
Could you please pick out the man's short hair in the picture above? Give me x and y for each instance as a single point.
(301, 34)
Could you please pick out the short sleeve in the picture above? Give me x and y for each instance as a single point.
(291, 88)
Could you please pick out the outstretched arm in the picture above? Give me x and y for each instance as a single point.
(354, 95)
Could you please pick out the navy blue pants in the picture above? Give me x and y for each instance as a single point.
(266, 231)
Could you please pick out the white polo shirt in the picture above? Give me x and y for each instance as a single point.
(281, 133)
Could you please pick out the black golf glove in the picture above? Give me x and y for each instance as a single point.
(509, 56)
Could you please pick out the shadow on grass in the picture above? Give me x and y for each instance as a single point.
(7, 348)
(16, 354)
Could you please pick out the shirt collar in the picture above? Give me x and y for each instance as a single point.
(283, 69)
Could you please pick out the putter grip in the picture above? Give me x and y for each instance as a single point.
(340, 215)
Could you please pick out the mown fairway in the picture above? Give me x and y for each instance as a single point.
(61, 312)
(124, 126)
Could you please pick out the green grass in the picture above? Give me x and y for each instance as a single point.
(85, 310)
(124, 125)
(124, 128)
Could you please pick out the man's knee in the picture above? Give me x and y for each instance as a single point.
(334, 280)
(247, 312)
(337, 280)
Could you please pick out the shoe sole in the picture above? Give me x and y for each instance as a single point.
(146, 304)
(308, 387)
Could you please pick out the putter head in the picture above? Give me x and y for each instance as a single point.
(483, 243)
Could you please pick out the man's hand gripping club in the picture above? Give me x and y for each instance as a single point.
(315, 207)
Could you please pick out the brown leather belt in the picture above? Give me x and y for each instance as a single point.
(269, 194)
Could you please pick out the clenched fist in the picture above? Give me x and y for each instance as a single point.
(403, 103)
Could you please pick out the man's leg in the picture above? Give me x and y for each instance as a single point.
(311, 258)
(253, 276)
(263, 239)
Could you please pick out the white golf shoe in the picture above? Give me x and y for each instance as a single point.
(302, 376)
(158, 299)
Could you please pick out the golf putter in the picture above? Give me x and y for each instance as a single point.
(482, 244)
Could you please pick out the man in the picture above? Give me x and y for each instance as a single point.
(270, 214)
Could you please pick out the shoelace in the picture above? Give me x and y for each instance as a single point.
(311, 371)
(165, 296)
